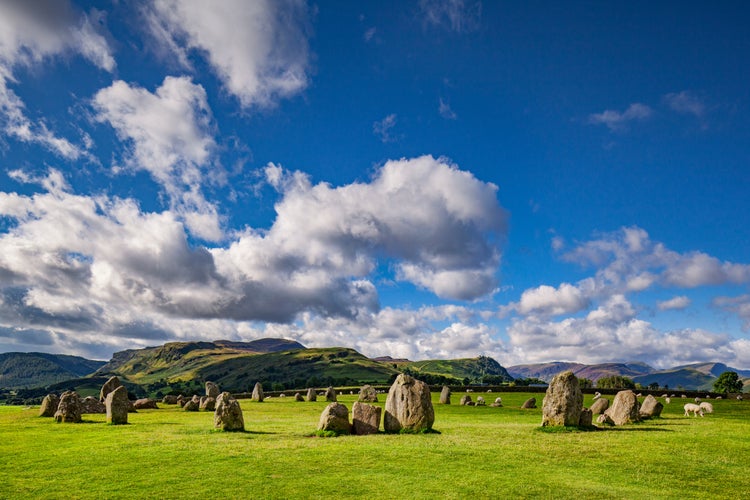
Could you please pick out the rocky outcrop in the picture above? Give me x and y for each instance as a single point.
(563, 401)
(408, 406)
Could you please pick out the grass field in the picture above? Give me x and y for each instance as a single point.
(480, 452)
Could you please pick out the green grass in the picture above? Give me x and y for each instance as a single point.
(479, 452)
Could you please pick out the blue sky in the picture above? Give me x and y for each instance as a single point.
(426, 179)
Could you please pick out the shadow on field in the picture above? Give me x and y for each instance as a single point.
(636, 429)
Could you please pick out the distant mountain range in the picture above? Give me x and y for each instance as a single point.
(285, 364)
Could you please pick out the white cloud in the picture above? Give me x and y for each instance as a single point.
(685, 102)
(681, 302)
(382, 128)
(170, 136)
(739, 305)
(258, 49)
(547, 300)
(455, 15)
(30, 33)
(617, 121)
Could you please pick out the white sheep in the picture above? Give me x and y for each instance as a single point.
(707, 407)
(597, 395)
(697, 410)
(498, 401)
(739, 397)
(697, 400)
(480, 401)
(667, 400)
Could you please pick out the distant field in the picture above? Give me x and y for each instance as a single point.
(480, 452)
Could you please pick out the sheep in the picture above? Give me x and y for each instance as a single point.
(597, 395)
(697, 400)
(499, 401)
(697, 410)
(667, 400)
(480, 401)
(664, 396)
(718, 397)
(683, 396)
(707, 407)
(739, 397)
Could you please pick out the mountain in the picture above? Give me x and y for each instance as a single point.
(543, 371)
(21, 370)
(700, 376)
(480, 369)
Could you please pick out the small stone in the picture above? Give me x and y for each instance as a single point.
(69, 408)
(257, 393)
(600, 406)
(586, 418)
(311, 394)
(651, 407)
(331, 395)
(207, 403)
(466, 400)
(445, 396)
(117, 406)
(145, 404)
(298, 397)
(529, 403)
(92, 405)
(169, 399)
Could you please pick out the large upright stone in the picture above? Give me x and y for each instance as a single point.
(563, 401)
(335, 417)
(331, 395)
(650, 408)
(466, 400)
(368, 394)
(212, 390)
(258, 393)
(445, 396)
(192, 404)
(117, 406)
(228, 414)
(69, 408)
(311, 394)
(208, 403)
(600, 406)
(365, 418)
(49, 405)
(110, 385)
(624, 409)
(408, 406)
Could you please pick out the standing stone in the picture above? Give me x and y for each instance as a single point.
(529, 403)
(258, 393)
(335, 417)
(69, 408)
(600, 406)
(193, 404)
(117, 406)
(228, 414)
(92, 405)
(298, 397)
(408, 406)
(208, 403)
(368, 394)
(563, 401)
(212, 390)
(586, 418)
(49, 405)
(181, 400)
(466, 400)
(331, 395)
(365, 418)
(109, 386)
(445, 396)
(650, 408)
(624, 409)
(311, 394)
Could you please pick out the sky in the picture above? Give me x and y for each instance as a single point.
(419, 179)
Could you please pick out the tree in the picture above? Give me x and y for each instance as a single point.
(728, 382)
(615, 382)
(585, 383)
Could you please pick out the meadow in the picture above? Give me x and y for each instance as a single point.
(479, 452)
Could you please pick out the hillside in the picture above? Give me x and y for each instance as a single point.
(482, 369)
(182, 361)
(21, 370)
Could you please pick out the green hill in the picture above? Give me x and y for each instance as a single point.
(482, 369)
(22, 370)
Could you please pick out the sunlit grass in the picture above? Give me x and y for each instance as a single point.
(480, 452)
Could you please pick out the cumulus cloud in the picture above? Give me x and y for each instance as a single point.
(459, 16)
(617, 121)
(547, 300)
(81, 267)
(259, 49)
(169, 134)
(30, 33)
